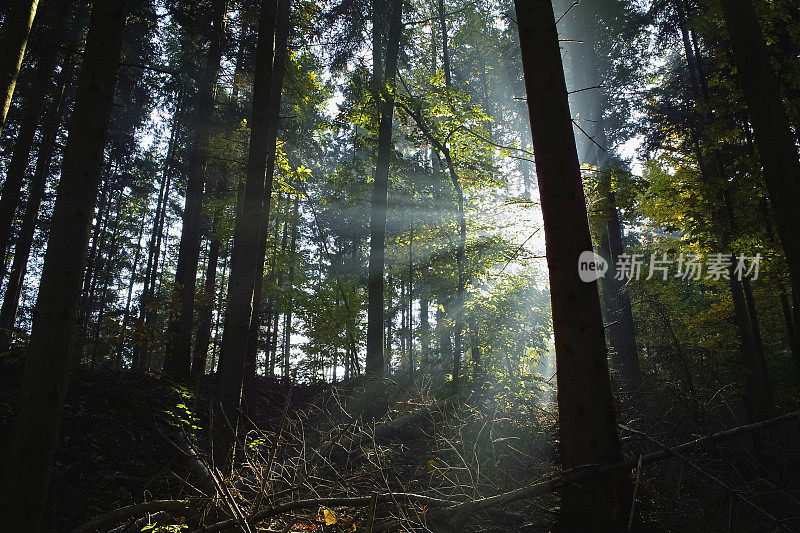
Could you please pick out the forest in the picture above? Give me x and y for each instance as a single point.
(399, 265)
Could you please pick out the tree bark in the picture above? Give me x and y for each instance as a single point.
(34, 102)
(14, 39)
(22, 249)
(146, 315)
(244, 255)
(380, 200)
(586, 411)
(129, 297)
(770, 125)
(276, 90)
(177, 362)
(44, 382)
(111, 256)
(287, 330)
(97, 234)
(205, 309)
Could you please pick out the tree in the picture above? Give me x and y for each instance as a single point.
(244, 255)
(16, 29)
(44, 383)
(586, 412)
(178, 358)
(34, 102)
(22, 249)
(377, 224)
(770, 122)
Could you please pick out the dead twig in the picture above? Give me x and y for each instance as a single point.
(453, 518)
(101, 523)
(353, 501)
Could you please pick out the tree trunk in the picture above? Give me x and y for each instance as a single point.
(411, 306)
(146, 315)
(22, 249)
(177, 362)
(276, 90)
(34, 102)
(129, 299)
(424, 328)
(791, 334)
(380, 199)
(206, 307)
(445, 334)
(267, 316)
(44, 382)
(244, 255)
(287, 332)
(619, 317)
(586, 411)
(13, 40)
(110, 258)
(770, 125)
(97, 234)
(220, 311)
(757, 395)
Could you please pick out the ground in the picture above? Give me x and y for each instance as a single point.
(122, 445)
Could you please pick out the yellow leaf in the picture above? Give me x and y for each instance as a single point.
(329, 517)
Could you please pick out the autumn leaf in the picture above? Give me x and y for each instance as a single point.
(329, 517)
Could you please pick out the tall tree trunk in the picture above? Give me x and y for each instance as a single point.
(620, 329)
(205, 309)
(220, 311)
(244, 255)
(276, 90)
(34, 102)
(129, 298)
(287, 331)
(424, 327)
(586, 412)
(411, 306)
(461, 289)
(270, 312)
(770, 125)
(758, 395)
(791, 334)
(98, 232)
(92, 276)
(13, 40)
(380, 200)
(445, 333)
(177, 362)
(44, 383)
(141, 354)
(101, 309)
(22, 249)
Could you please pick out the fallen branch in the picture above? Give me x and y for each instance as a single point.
(354, 501)
(389, 430)
(772, 519)
(102, 522)
(453, 518)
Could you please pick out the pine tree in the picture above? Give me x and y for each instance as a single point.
(44, 383)
(587, 425)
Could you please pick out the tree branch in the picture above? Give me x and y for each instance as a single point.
(102, 522)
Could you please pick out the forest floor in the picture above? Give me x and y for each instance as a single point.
(122, 434)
